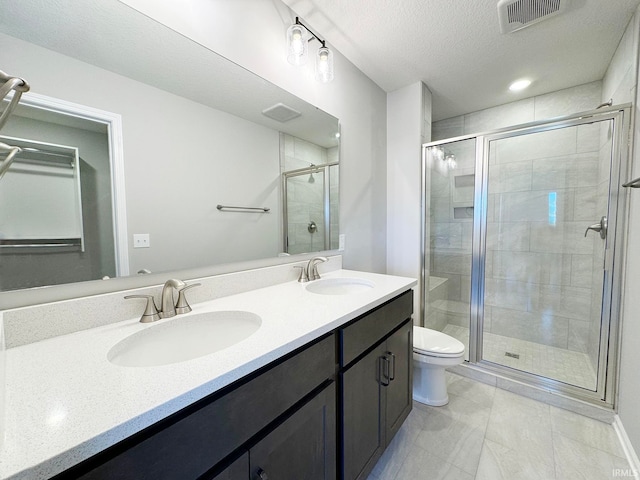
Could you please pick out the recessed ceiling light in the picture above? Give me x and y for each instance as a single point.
(519, 85)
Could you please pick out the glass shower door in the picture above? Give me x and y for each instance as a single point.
(548, 198)
(449, 169)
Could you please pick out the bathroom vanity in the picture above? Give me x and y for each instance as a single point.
(317, 392)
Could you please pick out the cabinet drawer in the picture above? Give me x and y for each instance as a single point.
(192, 445)
(366, 331)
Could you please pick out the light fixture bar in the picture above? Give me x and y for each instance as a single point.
(298, 22)
(298, 51)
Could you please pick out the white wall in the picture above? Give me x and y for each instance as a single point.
(620, 84)
(251, 33)
(408, 126)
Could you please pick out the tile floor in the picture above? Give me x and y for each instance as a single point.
(485, 433)
(561, 364)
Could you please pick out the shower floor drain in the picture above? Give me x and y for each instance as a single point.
(512, 355)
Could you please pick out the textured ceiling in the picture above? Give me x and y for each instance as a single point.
(456, 48)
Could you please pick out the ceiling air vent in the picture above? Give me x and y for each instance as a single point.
(281, 112)
(518, 14)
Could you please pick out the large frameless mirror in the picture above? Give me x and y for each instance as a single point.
(198, 133)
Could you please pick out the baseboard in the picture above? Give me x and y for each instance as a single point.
(629, 451)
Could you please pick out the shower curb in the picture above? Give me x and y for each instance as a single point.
(543, 395)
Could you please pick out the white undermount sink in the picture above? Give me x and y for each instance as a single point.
(339, 286)
(184, 337)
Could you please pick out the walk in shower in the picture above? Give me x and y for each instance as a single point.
(522, 248)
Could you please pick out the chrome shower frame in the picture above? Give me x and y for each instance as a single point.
(605, 394)
(325, 168)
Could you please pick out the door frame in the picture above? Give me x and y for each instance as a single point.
(113, 123)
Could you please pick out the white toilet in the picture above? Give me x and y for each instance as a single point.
(433, 351)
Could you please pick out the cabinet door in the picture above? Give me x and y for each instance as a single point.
(303, 447)
(399, 391)
(238, 470)
(363, 433)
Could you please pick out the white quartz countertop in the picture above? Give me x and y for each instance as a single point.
(66, 402)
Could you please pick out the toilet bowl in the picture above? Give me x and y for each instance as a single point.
(433, 351)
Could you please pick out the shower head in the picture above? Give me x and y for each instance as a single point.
(311, 179)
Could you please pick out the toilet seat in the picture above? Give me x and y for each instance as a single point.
(433, 352)
(436, 344)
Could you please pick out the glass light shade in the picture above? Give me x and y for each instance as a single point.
(324, 65)
(451, 161)
(297, 45)
(438, 153)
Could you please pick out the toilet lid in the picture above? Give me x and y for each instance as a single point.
(434, 343)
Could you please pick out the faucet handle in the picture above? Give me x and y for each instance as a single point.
(182, 306)
(302, 278)
(151, 313)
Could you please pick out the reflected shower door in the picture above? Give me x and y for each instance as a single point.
(306, 210)
(547, 202)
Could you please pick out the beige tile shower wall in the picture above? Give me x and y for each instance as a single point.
(305, 200)
(563, 102)
(299, 153)
(537, 289)
(334, 202)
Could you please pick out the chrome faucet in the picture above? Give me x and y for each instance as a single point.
(168, 302)
(312, 267)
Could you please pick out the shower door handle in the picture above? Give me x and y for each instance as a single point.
(598, 227)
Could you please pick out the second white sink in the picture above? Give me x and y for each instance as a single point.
(184, 338)
(339, 286)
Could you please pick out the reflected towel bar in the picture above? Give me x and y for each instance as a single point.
(632, 184)
(31, 243)
(243, 209)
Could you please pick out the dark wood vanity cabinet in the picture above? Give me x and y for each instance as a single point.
(239, 469)
(376, 353)
(264, 414)
(302, 447)
(325, 411)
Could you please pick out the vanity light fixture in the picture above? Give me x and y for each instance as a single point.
(519, 85)
(297, 44)
(298, 38)
(448, 159)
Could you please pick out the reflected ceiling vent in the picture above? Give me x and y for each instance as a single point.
(518, 14)
(281, 113)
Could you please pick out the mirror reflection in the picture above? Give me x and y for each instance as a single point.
(214, 134)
